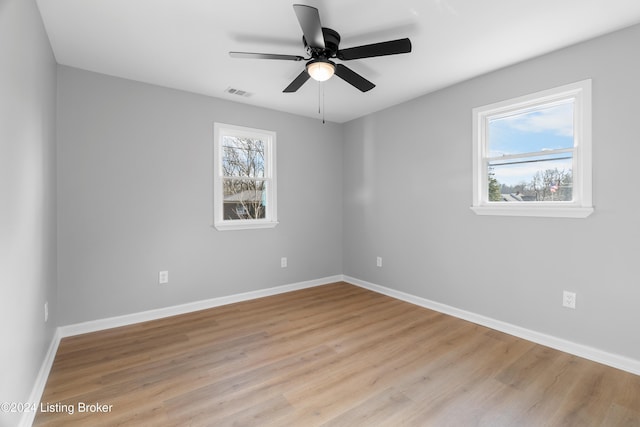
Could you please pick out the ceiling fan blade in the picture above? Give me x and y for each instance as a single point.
(392, 47)
(250, 55)
(353, 78)
(309, 20)
(297, 82)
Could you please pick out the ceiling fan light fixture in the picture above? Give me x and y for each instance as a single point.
(321, 70)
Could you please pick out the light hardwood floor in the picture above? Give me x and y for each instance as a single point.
(330, 355)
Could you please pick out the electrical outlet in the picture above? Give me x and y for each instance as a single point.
(283, 262)
(379, 261)
(46, 311)
(569, 299)
(163, 277)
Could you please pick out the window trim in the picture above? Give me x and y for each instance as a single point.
(581, 206)
(270, 220)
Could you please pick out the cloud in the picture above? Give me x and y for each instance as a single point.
(557, 120)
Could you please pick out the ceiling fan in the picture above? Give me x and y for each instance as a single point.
(322, 45)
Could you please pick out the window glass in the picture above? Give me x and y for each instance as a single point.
(243, 156)
(531, 154)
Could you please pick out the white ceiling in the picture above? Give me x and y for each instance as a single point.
(184, 44)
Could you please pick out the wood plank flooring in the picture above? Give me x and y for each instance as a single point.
(334, 355)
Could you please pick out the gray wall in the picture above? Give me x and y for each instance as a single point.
(135, 197)
(27, 199)
(407, 194)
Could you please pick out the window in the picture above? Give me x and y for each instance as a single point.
(244, 193)
(532, 155)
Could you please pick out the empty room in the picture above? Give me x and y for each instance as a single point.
(268, 213)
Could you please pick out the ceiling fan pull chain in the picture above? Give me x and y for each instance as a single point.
(321, 100)
(319, 85)
(323, 109)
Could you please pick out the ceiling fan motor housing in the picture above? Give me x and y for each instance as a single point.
(331, 43)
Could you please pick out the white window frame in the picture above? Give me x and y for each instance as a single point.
(581, 205)
(270, 220)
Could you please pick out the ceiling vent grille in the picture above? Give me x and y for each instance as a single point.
(234, 91)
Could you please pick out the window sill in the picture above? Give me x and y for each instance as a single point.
(535, 211)
(244, 225)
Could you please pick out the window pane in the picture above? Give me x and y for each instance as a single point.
(532, 179)
(244, 199)
(243, 157)
(544, 128)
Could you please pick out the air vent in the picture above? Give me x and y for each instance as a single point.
(238, 92)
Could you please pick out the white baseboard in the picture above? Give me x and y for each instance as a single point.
(586, 352)
(41, 380)
(144, 316)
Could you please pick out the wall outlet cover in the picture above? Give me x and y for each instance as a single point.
(163, 277)
(569, 299)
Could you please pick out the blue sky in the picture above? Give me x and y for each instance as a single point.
(540, 130)
(549, 128)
